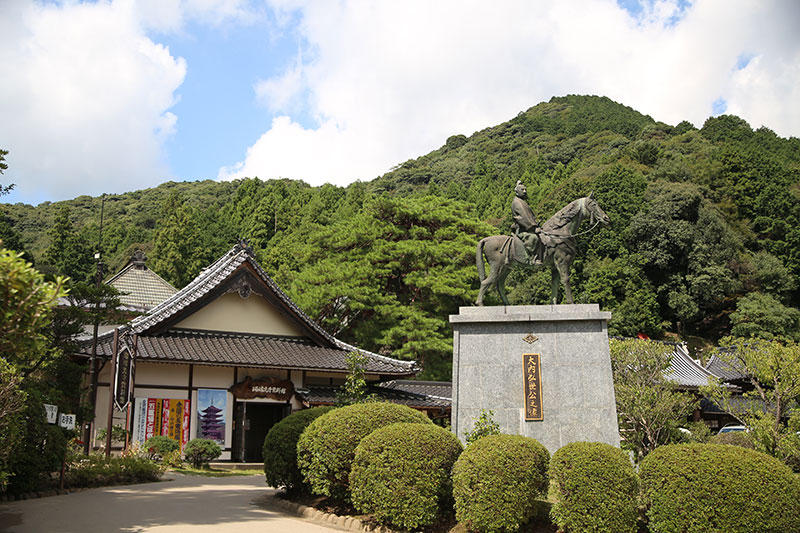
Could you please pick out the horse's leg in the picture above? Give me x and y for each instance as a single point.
(553, 284)
(563, 263)
(501, 282)
(484, 285)
(495, 265)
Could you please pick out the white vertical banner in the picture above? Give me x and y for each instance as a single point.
(140, 420)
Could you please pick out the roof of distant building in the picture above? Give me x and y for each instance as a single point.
(326, 395)
(141, 289)
(723, 369)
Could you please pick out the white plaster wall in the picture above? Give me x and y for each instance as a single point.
(162, 374)
(212, 377)
(231, 312)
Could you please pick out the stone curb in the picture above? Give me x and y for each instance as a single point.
(347, 523)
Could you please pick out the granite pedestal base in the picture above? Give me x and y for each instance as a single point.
(577, 387)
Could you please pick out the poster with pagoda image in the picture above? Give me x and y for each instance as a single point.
(211, 404)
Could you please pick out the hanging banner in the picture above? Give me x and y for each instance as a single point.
(161, 416)
(211, 409)
(122, 378)
(139, 420)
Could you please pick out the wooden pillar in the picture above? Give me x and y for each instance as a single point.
(132, 396)
(189, 397)
(110, 419)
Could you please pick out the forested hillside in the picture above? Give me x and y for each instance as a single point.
(704, 238)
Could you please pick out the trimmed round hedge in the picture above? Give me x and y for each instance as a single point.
(401, 473)
(596, 488)
(718, 488)
(280, 449)
(496, 481)
(327, 447)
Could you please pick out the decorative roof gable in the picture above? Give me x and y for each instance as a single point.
(238, 271)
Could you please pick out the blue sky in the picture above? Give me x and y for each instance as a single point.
(118, 95)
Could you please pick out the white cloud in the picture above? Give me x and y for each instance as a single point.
(85, 97)
(392, 80)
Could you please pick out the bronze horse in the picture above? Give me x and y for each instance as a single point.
(558, 239)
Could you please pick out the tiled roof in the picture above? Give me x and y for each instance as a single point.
(326, 395)
(327, 352)
(723, 369)
(739, 404)
(141, 288)
(685, 371)
(438, 389)
(234, 349)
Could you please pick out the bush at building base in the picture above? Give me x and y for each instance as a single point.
(497, 480)
(401, 474)
(159, 446)
(596, 488)
(280, 449)
(96, 470)
(199, 452)
(327, 447)
(694, 488)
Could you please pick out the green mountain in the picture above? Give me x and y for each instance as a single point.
(704, 239)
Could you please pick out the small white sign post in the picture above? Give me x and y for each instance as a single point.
(66, 421)
(52, 413)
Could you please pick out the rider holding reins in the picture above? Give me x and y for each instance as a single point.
(525, 226)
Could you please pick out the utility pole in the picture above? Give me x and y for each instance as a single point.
(87, 428)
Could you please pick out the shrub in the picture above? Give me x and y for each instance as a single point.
(38, 452)
(200, 452)
(172, 459)
(483, 425)
(401, 473)
(280, 449)
(158, 446)
(596, 488)
(327, 447)
(718, 488)
(97, 470)
(496, 480)
(734, 438)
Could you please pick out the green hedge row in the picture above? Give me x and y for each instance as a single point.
(497, 480)
(595, 486)
(718, 488)
(401, 474)
(327, 447)
(391, 462)
(280, 449)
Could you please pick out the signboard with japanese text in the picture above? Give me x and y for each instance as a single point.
(532, 386)
(66, 421)
(51, 411)
(122, 379)
(161, 416)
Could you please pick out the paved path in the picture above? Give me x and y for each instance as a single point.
(188, 503)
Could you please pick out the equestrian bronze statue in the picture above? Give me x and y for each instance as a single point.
(530, 246)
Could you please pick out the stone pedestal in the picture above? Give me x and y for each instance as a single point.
(577, 387)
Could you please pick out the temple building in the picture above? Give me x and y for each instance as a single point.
(223, 358)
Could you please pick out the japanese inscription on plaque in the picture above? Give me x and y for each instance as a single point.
(533, 386)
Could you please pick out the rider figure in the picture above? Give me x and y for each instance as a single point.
(525, 226)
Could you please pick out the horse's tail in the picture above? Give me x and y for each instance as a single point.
(479, 260)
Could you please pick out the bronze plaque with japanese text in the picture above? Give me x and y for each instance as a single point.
(533, 386)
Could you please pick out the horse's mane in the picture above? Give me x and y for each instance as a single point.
(563, 217)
